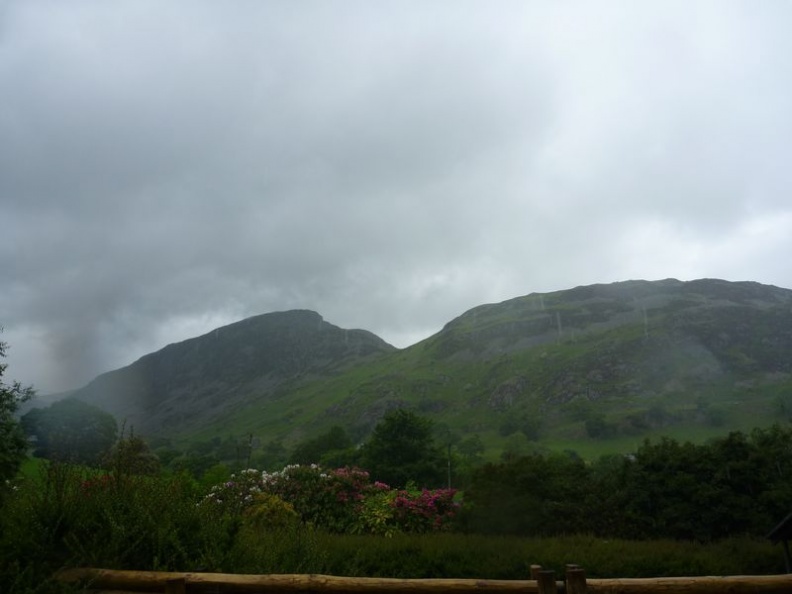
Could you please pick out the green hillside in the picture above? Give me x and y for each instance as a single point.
(593, 369)
(193, 384)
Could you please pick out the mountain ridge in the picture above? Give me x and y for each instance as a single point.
(219, 368)
(631, 357)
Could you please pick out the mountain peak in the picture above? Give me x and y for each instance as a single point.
(546, 318)
(190, 382)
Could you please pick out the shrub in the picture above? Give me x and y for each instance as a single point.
(341, 501)
(268, 511)
(424, 510)
(377, 514)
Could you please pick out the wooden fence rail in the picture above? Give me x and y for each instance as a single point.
(541, 582)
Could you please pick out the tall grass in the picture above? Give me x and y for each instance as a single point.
(71, 516)
(493, 557)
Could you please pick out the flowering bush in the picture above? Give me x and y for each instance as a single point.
(424, 510)
(236, 494)
(330, 499)
(407, 510)
(341, 500)
(377, 514)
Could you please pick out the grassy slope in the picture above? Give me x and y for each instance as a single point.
(476, 375)
(456, 393)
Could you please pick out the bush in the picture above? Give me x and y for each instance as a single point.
(268, 512)
(342, 500)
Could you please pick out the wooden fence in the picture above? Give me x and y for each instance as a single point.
(541, 582)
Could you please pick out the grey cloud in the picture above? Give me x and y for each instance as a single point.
(169, 166)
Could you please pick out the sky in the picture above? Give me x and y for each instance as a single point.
(168, 167)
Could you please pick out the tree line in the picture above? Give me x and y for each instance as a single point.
(737, 485)
(740, 484)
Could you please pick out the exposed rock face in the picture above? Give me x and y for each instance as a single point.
(504, 395)
(192, 382)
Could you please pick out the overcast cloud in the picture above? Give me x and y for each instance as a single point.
(167, 167)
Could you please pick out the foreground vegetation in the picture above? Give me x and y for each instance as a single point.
(74, 517)
(669, 509)
(336, 522)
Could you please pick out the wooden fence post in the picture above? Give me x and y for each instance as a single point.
(575, 580)
(546, 582)
(535, 569)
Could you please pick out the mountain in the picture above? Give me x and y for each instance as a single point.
(594, 368)
(196, 382)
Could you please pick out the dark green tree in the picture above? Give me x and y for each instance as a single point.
(167, 454)
(13, 444)
(471, 448)
(676, 490)
(528, 495)
(325, 446)
(771, 475)
(598, 428)
(272, 456)
(734, 485)
(132, 455)
(606, 499)
(194, 464)
(402, 449)
(71, 431)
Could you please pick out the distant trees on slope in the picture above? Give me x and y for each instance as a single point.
(401, 449)
(71, 431)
